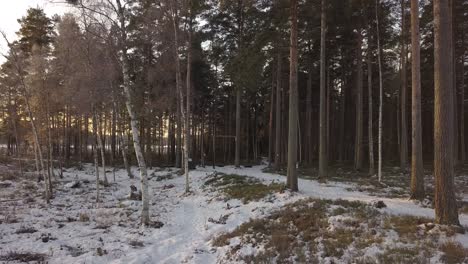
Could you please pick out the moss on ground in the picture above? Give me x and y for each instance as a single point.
(244, 188)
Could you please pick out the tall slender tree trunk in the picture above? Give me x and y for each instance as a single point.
(270, 123)
(178, 161)
(462, 107)
(293, 103)
(417, 170)
(404, 84)
(309, 126)
(278, 113)
(240, 22)
(323, 152)
(341, 135)
(95, 154)
(359, 104)
(145, 219)
(369, 91)
(187, 115)
(445, 203)
(238, 128)
(101, 148)
(379, 58)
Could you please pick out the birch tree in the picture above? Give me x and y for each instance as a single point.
(119, 10)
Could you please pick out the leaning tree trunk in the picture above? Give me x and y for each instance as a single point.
(145, 219)
(293, 100)
(417, 171)
(445, 203)
(37, 144)
(323, 152)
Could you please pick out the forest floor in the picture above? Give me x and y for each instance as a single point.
(231, 216)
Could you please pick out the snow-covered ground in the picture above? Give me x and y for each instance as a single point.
(113, 235)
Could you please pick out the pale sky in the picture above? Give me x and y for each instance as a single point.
(10, 11)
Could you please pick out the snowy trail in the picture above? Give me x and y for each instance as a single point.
(186, 236)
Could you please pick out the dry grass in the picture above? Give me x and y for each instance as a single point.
(454, 252)
(311, 230)
(83, 217)
(23, 257)
(243, 188)
(25, 230)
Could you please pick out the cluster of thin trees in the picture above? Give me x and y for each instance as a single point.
(166, 83)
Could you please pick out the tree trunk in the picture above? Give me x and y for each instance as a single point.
(95, 154)
(309, 126)
(417, 170)
(462, 107)
(359, 114)
(404, 84)
(445, 203)
(379, 58)
(278, 113)
(187, 115)
(133, 118)
(238, 128)
(369, 89)
(293, 102)
(270, 123)
(323, 152)
(101, 148)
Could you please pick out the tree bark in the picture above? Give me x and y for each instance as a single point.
(445, 203)
(379, 58)
(270, 123)
(293, 102)
(417, 170)
(369, 89)
(278, 113)
(359, 112)
(404, 84)
(187, 114)
(238, 128)
(323, 152)
(145, 219)
(101, 148)
(95, 154)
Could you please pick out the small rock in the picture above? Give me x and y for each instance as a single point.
(100, 251)
(73, 185)
(156, 224)
(429, 226)
(45, 238)
(5, 184)
(379, 204)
